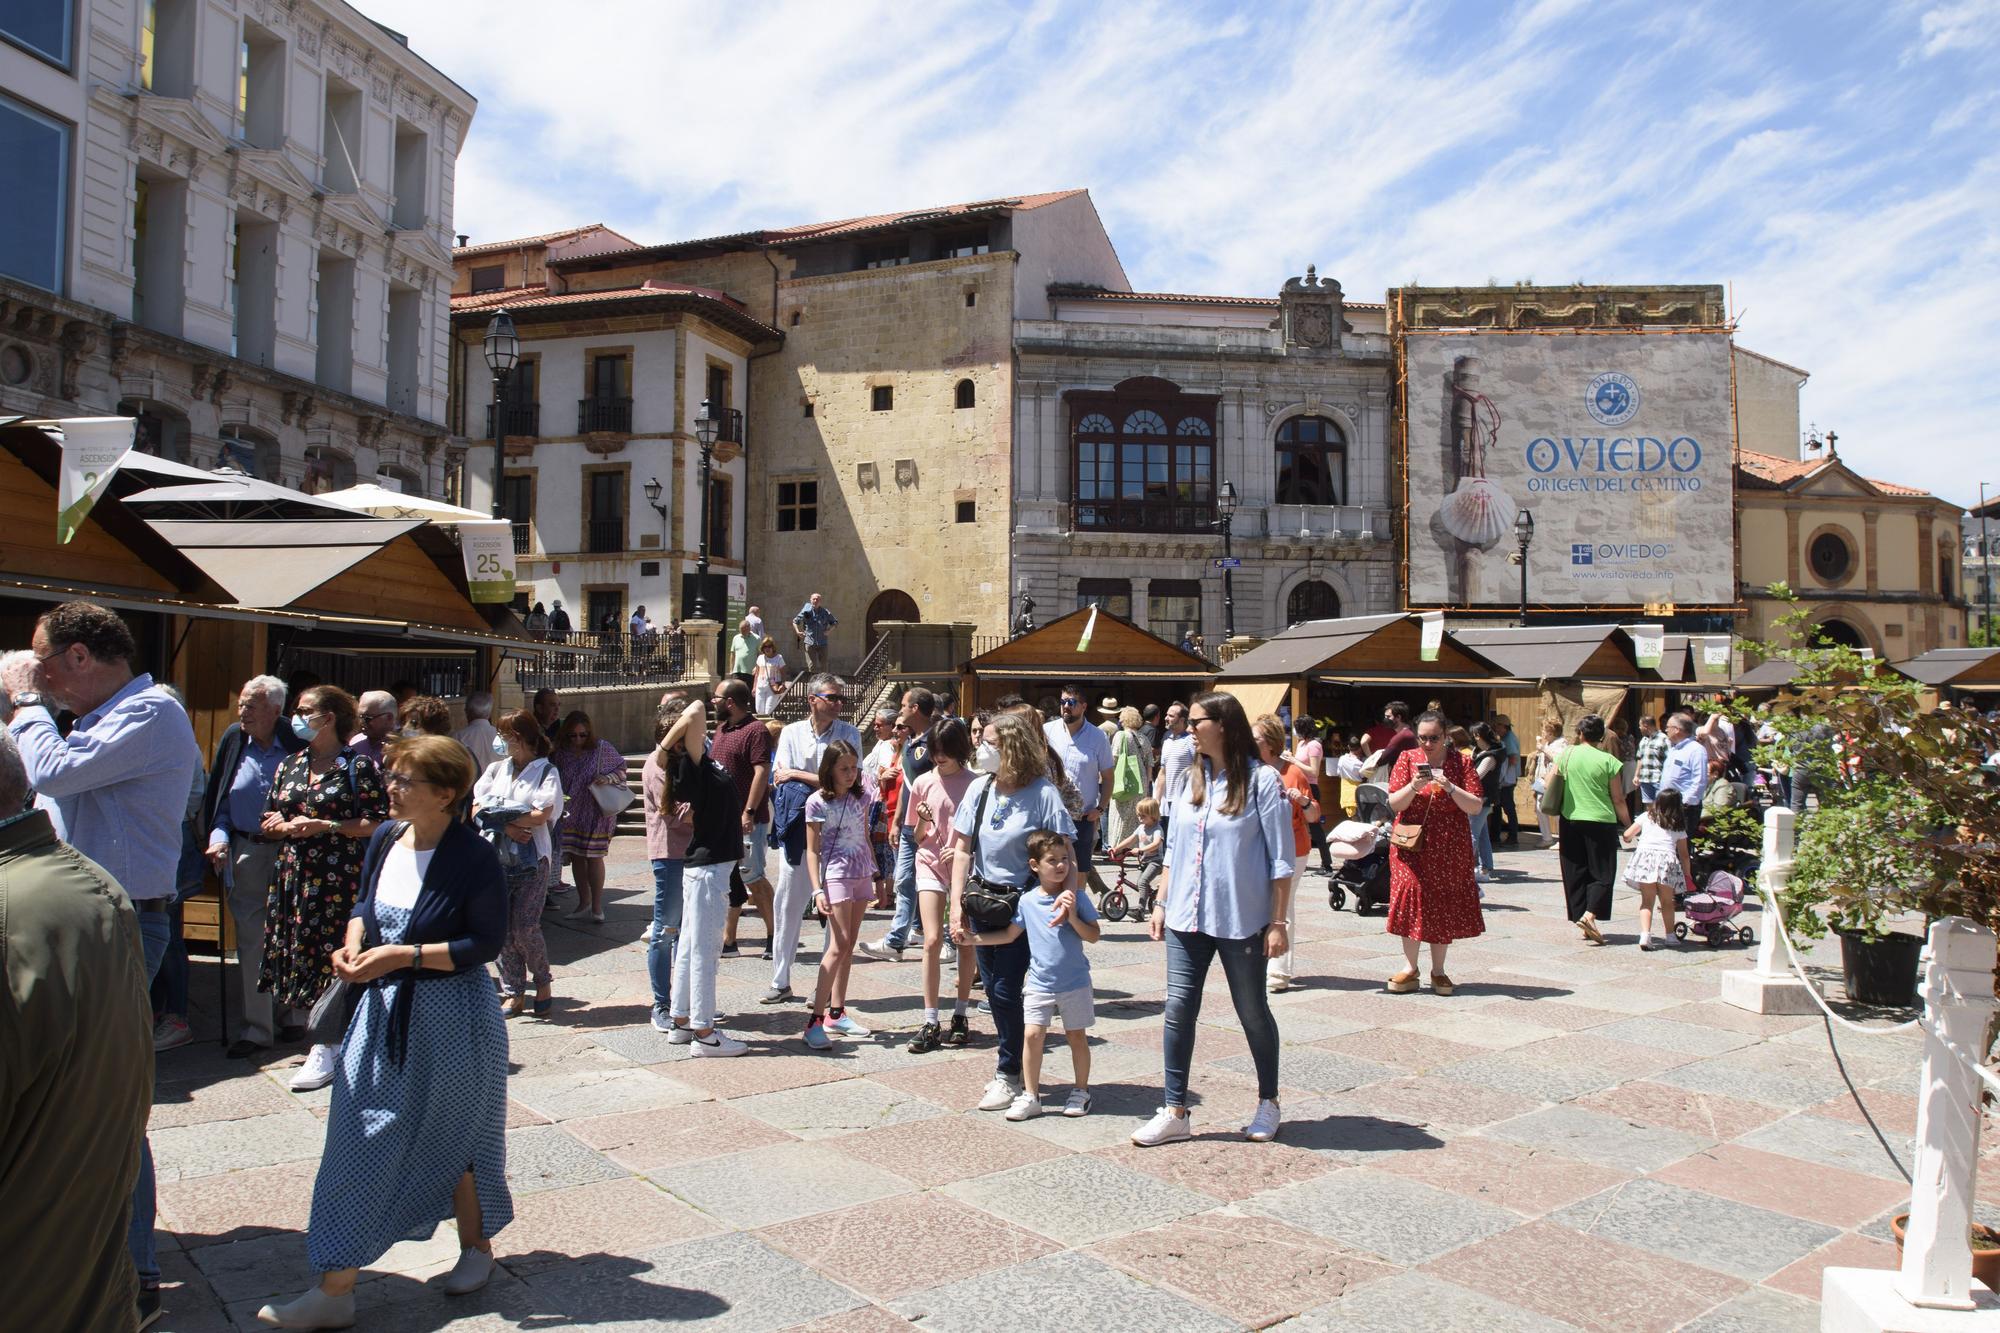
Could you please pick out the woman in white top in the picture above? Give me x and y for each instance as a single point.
(524, 777)
(769, 678)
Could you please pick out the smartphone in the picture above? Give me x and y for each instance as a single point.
(1425, 772)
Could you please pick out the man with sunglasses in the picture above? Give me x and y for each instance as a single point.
(795, 771)
(1086, 755)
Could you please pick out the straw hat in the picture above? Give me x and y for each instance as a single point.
(1108, 706)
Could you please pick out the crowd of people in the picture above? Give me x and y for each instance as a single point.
(375, 860)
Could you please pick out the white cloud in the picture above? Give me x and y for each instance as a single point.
(1846, 199)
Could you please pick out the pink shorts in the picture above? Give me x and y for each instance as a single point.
(850, 890)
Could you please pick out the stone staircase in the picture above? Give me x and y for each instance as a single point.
(633, 819)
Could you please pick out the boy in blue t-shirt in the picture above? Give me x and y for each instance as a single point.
(1057, 923)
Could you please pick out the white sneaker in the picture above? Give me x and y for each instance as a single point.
(171, 1032)
(1164, 1127)
(315, 1309)
(716, 1044)
(646, 935)
(1263, 1126)
(1025, 1106)
(469, 1274)
(847, 1027)
(679, 1035)
(597, 918)
(1078, 1103)
(317, 1071)
(1000, 1094)
(880, 950)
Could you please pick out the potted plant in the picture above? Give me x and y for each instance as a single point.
(1857, 860)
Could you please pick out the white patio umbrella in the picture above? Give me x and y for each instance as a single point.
(369, 498)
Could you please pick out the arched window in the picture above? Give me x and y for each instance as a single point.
(1838, 634)
(162, 430)
(326, 470)
(1133, 472)
(890, 604)
(964, 394)
(1311, 600)
(1944, 566)
(251, 452)
(1312, 462)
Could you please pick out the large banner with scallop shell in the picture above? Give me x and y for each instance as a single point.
(1620, 446)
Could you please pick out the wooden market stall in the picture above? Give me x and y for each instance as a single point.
(1120, 660)
(1957, 671)
(1563, 671)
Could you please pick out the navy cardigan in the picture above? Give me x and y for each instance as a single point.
(462, 905)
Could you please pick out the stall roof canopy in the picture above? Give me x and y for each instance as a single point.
(368, 498)
(1117, 648)
(1384, 648)
(1964, 668)
(1558, 652)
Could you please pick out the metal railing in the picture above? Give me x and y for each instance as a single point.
(858, 687)
(986, 643)
(1113, 515)
(1227, 652)
(519, 419)
(613, 415)
(593, 658)
(605, 534)
(524, 537)
(729, 427)
(444, 677)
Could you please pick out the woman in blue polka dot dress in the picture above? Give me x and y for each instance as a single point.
(417, 1131)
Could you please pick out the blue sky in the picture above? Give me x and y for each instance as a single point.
(1834, 164)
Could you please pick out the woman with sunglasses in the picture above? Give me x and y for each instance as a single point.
(1432, 896)
(585, 762)
(1228, 896)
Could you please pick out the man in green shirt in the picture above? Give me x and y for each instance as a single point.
(76, 1077)
(743, 650)
(1593, 815)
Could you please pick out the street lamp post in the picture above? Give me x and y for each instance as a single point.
(1524, 533)
(503, 350)
(1225, 512)
(705, 427)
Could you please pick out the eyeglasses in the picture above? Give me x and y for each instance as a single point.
(1071, 703)
(832, 698)
(396, 781)
(1434, 738)
(1197, 721)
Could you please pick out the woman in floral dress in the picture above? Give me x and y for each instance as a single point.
(324, 805)
(1432, 897)
(584, 762)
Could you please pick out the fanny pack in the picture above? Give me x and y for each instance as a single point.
(988, 906)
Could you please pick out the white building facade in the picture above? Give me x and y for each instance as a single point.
(231, 220)
(1133, 409)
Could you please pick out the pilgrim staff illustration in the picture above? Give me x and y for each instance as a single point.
(1477, 513)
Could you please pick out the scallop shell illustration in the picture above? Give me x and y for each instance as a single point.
(1478, 513)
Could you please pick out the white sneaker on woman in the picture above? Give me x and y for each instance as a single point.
(315, 1309)
(1164, 1127)
(1026, 1106)
(1000, 1093)
(1263, 1126)
(317, 1071)
(469, 1274)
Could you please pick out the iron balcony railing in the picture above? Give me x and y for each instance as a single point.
(612, 415)
(519, 419)
(524, 537)
(606, 534)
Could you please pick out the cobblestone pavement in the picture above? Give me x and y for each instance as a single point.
(1581, 1137)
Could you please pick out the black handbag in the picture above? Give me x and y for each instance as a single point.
(988, 906)
(333, 1011)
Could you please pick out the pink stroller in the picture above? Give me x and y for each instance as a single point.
(1710, 911)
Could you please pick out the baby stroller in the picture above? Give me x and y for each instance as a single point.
(1360, 848)
(1710, 911)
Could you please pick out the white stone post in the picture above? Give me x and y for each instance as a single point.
(1770, 987)
(1958, 1002)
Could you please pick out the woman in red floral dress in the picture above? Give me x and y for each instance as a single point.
(1432, 897)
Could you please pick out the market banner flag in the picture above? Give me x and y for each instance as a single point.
(1648, 644)
(1433, 635)
(1715, 652)
(1083, 644)
(92, 450)
(488, 547)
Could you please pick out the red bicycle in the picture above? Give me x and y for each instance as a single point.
(1115, 903)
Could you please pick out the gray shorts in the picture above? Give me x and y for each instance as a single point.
(1039, 1009)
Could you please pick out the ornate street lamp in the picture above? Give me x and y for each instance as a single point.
(503, 351)
(1225, 511)
(1524, 533)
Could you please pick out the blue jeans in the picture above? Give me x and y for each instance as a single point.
(155, 933)
(1482, 837)
(666, 931)
(906, 923)
(1004, 967)
(1086, 841)
(170, 986)
(1648, 792)
(1188, 956)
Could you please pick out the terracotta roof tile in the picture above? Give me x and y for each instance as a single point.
(520, 242)
(1894, 488)
(523, 298)
(1785, 471)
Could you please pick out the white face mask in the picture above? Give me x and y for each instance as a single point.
(988, 758)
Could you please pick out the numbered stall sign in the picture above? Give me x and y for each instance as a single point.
(489, 560)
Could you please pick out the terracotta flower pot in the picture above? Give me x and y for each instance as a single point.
(1985, 1262)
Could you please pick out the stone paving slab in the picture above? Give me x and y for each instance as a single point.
(1580, 1138)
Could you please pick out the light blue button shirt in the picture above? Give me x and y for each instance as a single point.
(1686, 771)
(242, 810)
(1220, 867)
(119, 782)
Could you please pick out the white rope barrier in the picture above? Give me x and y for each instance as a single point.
(1775, 919)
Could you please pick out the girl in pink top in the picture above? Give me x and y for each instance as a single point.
(933, 798)
(841, 859)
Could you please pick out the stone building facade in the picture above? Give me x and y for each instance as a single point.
(1132, 409)
(235, 223)
(879, 406)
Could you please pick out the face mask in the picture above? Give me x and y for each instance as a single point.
(303, 729)
(500, 747)
(988, 758)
